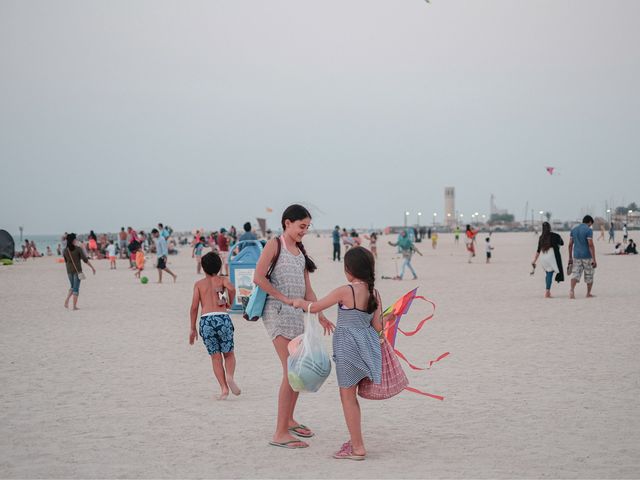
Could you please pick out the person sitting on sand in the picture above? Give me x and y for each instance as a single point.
(213, 295)
(631, 248)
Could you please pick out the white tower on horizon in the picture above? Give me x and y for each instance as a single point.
(449, 206)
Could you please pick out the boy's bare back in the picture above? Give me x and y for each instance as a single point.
(206, 293)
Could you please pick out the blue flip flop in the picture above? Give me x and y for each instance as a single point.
(288, 444)
(295, 431)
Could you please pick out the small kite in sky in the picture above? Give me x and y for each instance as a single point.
(550, 170)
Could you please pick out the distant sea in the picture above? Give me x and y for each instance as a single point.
(41, 241)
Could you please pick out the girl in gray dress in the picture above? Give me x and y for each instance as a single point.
(289, 280)
(356, 341)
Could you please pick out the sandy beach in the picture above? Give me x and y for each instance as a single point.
(533, 387)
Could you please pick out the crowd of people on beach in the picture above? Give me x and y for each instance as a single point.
(283, 272)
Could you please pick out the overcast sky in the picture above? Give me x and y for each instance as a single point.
(204, 113)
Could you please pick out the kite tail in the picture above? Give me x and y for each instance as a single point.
(420, 392)
(414, 367)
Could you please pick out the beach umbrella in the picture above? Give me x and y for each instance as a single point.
(7, 245)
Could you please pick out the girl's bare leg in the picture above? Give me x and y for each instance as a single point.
(351, 409)
(75, 301)
(287, 398)
(218, 371)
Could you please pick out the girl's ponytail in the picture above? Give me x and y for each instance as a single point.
(309, 264)
(372, 305)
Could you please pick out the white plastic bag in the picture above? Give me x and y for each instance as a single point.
(308, 364)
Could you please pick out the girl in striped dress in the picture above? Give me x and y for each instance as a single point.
(356, 340)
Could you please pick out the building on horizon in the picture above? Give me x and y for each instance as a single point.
(449, 219)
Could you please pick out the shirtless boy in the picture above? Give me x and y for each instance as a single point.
(214, 295)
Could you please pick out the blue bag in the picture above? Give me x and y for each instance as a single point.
(258, 297)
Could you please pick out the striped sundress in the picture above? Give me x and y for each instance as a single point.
(356, 347)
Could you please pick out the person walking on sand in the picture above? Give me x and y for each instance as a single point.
(223, 249)
(406, 247)
(373, 243)
(548, 253)
(582, 255)
(214, 295)
(335, 236)
(612, 233)
(162, 251)
(289, 279)
(470, 241)
(73, 257)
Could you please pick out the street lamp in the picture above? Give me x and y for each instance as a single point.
(419, 215)
(434, 218)
(629, 213)
(406, 215)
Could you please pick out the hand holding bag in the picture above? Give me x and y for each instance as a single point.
(258, 297)
(309, 364)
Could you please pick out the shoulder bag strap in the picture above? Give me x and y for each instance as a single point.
(72, 262)
(275, 260)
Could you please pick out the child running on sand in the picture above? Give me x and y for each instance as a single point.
(216, 328)
(488, 248)
(111, 253)
(139, 261)
(470, 241)
(356, 340)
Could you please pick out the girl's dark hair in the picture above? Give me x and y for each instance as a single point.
(468, 227)
(294, 213)
(70, 238)
(359, 262)
(545, 238)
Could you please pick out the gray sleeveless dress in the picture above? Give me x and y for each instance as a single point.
(288, 278)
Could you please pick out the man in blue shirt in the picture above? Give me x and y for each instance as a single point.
(248, 234)
(582, 255)
(336, 243)
(162, 250)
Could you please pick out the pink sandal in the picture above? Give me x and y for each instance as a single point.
(346, 453)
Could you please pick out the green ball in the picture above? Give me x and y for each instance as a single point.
(144, 280)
